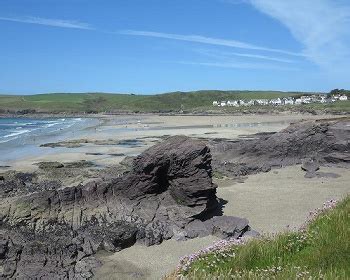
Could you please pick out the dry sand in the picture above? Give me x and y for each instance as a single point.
(149, 128)
(271, 202)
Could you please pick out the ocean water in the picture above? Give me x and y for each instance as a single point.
(21, 128)
(21, 137)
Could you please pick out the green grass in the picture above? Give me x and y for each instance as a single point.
(104, 102)
(320, 250)
(339, 106)
(200, 101)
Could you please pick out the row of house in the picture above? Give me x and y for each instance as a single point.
(305, 99)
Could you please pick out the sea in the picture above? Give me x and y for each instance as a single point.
(20, 137)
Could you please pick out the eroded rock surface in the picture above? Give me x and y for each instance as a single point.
(53, 232)
(326, 142)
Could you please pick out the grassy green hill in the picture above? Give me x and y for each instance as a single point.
(319, 250)
(104, 102)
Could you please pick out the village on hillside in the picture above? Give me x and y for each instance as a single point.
(305, 99)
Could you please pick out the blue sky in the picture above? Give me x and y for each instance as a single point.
(154, 46)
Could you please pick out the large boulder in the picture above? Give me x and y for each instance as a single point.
(180, 166)
(325, 141)
(53, 232)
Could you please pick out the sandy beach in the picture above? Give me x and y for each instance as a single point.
(272, 201)
(148, 129)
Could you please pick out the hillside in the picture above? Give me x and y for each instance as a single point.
(319, 250)
(105, 102)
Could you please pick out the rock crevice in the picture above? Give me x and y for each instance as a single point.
(53, 232)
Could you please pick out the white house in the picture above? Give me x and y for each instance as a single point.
(246, 103)
(314, 98)
(288, 101)
(223, 103)
(250, 102)
(343, 98)
(276, 101)
(262, 102)
(215, 103)
(323, 99)
(298, 101)
(233, 103)
(306, 99)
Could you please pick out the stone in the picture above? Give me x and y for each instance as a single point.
(327, 142)
(310, 165)
(227, 226)
(54, 232)
(50, 164)
(79, 164)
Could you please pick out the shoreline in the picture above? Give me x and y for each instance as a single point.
(284, 195)
(104, 138)
(41, 115)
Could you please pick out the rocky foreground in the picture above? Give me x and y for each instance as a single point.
(49, 230)
(311, 143)
(53, 232)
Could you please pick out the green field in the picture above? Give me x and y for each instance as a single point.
(104, 102)
(320, 250)
(167, 102)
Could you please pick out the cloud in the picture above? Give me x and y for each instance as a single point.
(230, 55)
(50, 22)
(321, 26)
(239, 65)
(205, 40)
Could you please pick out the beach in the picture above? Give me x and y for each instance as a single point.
(272, 202)
(90, 136)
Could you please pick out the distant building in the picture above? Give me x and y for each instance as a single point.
(233, 103)
(306, 99)
(288, 101)
(261, 102)
(323, 99)
(246, 102)
(276, 101)
(298, 101)
(250, 102)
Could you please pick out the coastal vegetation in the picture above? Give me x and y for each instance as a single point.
(195, 101)
(199, 101)
(318, 250)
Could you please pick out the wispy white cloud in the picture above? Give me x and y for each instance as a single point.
(229, 55)
(50, 22)
(321, 26)
(239, 65)
(205, 40)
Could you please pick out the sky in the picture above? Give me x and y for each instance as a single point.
(156, 46)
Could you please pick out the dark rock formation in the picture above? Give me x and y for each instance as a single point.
(50, 164)
(53, 232)
(324, 141)
(310, 166)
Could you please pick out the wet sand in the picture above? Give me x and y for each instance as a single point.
(148, 129)
(271, 202)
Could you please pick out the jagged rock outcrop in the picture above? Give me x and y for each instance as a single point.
(53, 232)
(323, 141)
